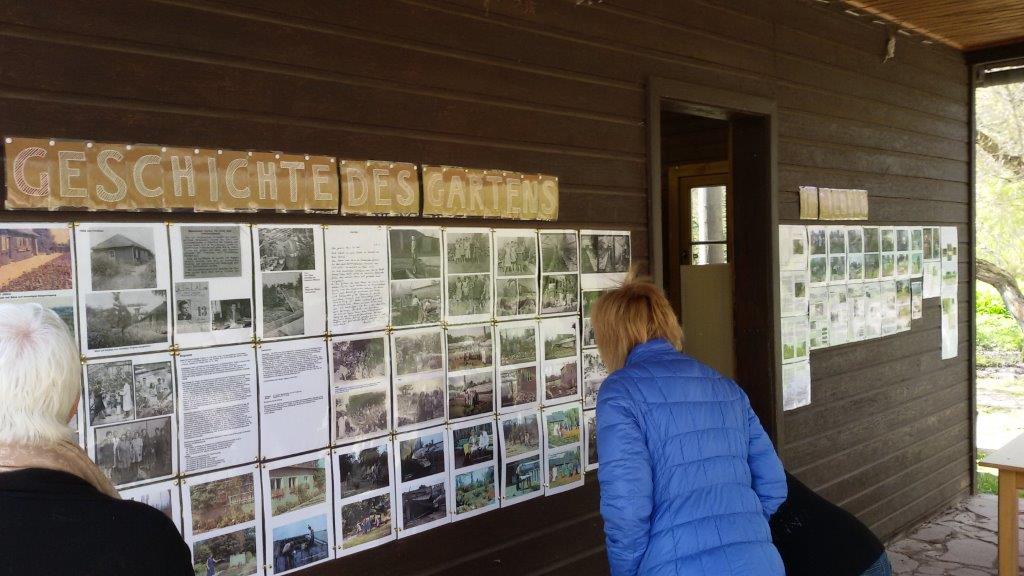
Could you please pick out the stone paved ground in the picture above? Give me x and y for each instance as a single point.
(959, 542)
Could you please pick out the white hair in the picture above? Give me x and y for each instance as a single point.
(40, 375)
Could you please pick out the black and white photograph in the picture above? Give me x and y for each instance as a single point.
(559, 293)
(363, 468)
(902, 239)
(421, 454)
(358, 358)
(520, 434)
(123, 258)
(516, 255)
(111, 392)
(590, 433)
(469, 295)
(559, 251)
(468, 252)
(518, 343)
(192, 307)
(417, 351)
(283, 305)
(154, 389)
(855, 267)
(518, 386)
(301, 543)
(286, 249)
(871, 239)
(470, 394)
(559, 337)
(415, 253)
(817, 240)
(123, 319)
(604, 253)
(854, 239)
(423, 504)
(231, 554)
(836, 240)
(361, 411)
(135, 451)
(888, 236)
(473, 444)
(231, 314)
(470, 347)
(416, 302)
(818, 266)
(594, 374)
(516, 296)
(837, 269)
(419, 400)
(561, 380)
(365, 521)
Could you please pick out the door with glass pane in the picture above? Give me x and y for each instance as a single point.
(703, 289)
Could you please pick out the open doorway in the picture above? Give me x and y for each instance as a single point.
(713, 241)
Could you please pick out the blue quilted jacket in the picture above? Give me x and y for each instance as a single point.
(688, 475)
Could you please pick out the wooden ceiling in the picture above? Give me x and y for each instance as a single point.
(963, 24)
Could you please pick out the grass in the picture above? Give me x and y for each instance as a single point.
(985, 481)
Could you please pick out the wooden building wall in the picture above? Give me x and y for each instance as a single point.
(556, 86)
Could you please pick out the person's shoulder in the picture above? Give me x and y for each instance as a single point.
(145, 519)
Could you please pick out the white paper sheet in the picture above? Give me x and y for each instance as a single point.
(424, 495)
(563, 448)
(358, 298)
(796, 385)
(949, 291)
(212, 284)
(298, 510)
(793, 248)
(605, 258)
(222, 515)
(521, 455)
(360, 386)
(515, 273)
(164, 496)
(218, 406)
(793, 292)
(594, 374)
(473, 454)
(795, 335)
(560, 352)
(470, 361)
(293, 378)
(289, 280)
(124, 287)
(130, 417)
(416, 262)
(364, 496)
(37, 264)
(818, 318)
(559, 272)
(419, 386)
(518, 365)
(468, 285)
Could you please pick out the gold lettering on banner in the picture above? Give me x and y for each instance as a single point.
(44, 174)
(464, 192)
(373, 187)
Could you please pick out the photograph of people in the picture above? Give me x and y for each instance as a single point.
(59, 512)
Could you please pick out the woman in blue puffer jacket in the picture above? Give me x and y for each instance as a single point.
(688, 476)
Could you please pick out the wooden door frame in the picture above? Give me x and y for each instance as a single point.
(686, 97)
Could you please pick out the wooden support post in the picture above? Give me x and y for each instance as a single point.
(1008, 532)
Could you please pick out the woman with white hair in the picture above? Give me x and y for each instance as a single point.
(58, 513)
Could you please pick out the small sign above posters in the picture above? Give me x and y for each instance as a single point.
(458, 192)
(371, 187)
(44, 174)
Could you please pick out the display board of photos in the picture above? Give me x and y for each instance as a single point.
(289, 394)
(841, 284)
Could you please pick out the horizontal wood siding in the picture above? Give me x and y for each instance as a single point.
(557, 87)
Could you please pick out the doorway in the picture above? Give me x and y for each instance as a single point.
(713, 241)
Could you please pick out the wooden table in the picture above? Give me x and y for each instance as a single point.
(1010, 463)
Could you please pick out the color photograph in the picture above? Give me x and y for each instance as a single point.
(474, 489)
(522, 477)
(132, 318)
(35, 259)
(287, 249)
(470, 347)
(363, 470)
(559, 337)
(135, 451)
(301, 543)
(470, 394)
(297, 486)
(564, 468)
(424, 504)
(473, 444)
(231, 554)
(560, 380)
(222, 503)
(563, 426)
(365, 520)
(122, 258)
